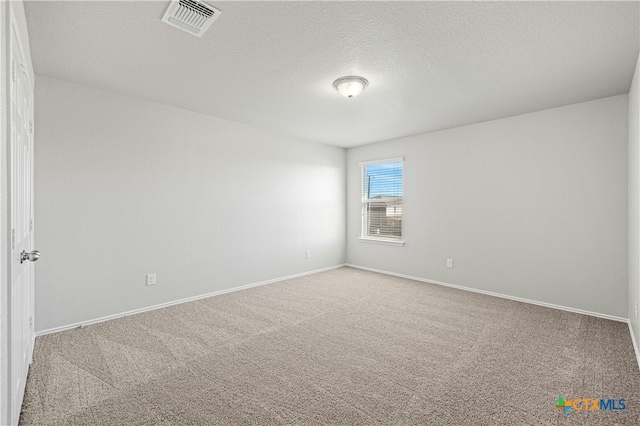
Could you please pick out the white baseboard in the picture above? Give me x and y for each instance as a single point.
(490, 293)
(177, 302)
(32, 338)
(635, 342)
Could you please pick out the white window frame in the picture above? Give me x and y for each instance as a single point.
(363, 224)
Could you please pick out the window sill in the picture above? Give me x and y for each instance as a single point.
(382, 241)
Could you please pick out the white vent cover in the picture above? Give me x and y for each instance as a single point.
(190, 15)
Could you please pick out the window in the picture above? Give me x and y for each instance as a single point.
(382, 201)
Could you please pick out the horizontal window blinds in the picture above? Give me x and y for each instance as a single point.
(382, 199)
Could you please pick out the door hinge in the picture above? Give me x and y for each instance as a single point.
(31, 322)
(13, 238)
(30, 127)
(30, 225)
(13, 70)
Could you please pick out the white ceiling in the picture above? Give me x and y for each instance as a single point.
(430, 65)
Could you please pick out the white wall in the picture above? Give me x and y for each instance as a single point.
(532, 206)
(126, 187)
(634, 201)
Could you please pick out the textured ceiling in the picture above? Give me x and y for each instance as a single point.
(430, 65)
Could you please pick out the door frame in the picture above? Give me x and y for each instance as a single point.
(4, 222)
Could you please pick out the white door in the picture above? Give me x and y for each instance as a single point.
(21, 335)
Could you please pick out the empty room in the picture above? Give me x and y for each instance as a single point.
(319, 213)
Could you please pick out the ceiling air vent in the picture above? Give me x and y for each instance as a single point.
(190, 15)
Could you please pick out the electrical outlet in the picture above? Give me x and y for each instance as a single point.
(449, 263)
(151, 279)
(308, 254)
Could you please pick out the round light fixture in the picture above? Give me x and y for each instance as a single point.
(350, 86)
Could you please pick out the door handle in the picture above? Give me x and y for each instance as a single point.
(31, 256)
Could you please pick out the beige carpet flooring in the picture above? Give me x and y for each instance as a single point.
(346, 347)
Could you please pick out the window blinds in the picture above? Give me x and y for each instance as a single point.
(382, 199)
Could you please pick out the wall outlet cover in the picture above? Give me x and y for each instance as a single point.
(151, 279)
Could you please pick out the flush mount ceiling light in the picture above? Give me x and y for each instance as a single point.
(350, 86)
